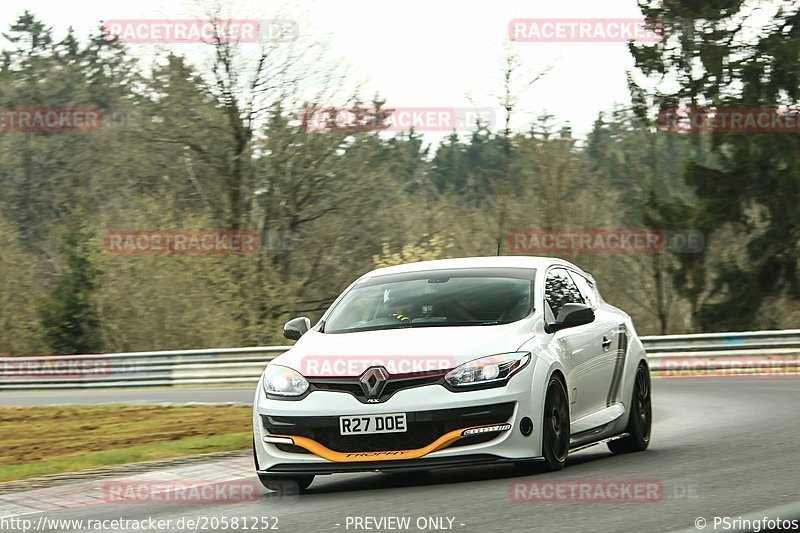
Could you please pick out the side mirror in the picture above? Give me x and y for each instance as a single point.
(296, 327)
(571, 315)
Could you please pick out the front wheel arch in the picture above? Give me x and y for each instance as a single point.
(556, 373)
(556, 419)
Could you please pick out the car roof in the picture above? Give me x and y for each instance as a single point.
(507, 261)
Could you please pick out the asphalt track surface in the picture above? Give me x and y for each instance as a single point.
(726, 448)
(128, 396)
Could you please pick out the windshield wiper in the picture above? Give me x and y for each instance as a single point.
(409, 325)
(374, 328)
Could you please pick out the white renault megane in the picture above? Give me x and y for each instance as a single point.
(453, 363)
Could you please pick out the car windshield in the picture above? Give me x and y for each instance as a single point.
(462, 297)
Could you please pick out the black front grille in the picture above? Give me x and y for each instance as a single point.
(394, 384)
(424, 427)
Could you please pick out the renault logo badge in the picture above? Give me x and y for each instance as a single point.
(373, 380)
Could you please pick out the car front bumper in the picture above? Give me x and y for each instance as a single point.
(437, 418)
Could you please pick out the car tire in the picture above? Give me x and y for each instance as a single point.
(641, 417)
(286, 484)
(555, 427)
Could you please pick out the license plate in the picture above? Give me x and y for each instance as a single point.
(371, 424)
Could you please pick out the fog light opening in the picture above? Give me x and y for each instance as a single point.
(526, 426)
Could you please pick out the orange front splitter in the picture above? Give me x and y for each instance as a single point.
(355, 457)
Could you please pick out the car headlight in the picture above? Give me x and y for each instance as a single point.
(283, 381)
(494, 369)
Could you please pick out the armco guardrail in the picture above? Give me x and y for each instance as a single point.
(137, 369)
(771, 353)
(766, 352)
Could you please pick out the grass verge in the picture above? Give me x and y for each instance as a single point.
(36, 441)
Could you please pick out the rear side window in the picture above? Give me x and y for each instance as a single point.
(559, 289)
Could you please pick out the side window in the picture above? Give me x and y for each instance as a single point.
(587, 289)
(559, 289)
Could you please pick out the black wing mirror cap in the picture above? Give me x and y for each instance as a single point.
(571, 315)
(296, 328)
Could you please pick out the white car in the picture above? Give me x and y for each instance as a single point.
(448, 363)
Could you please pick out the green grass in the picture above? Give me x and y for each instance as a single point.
(50, 440)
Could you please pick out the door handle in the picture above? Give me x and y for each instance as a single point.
(606, 343)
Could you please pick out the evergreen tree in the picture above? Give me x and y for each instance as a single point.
(750, 183)
(69, 317)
